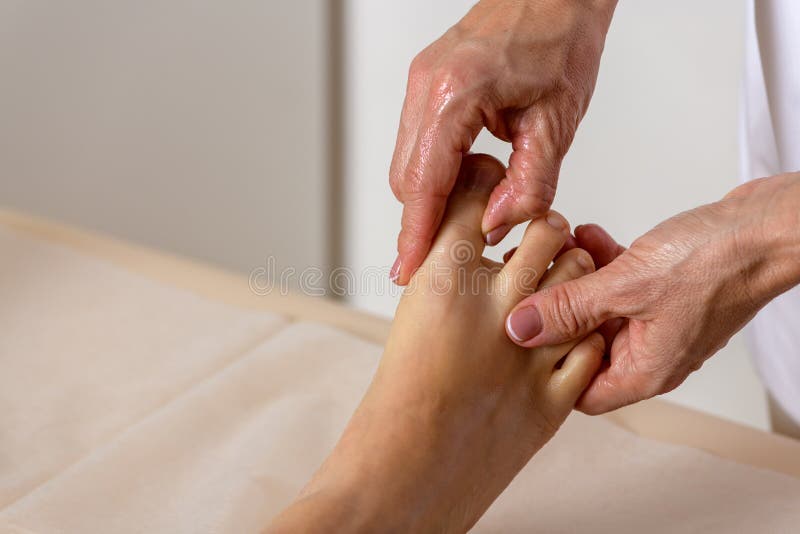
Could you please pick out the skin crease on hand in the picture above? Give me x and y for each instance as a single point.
(682, 290)
(523, 69)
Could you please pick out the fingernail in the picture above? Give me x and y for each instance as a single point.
(556, 221)
(508, 255)
(497, 235)
(524, 324)
(394, 273)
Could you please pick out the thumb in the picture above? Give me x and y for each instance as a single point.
(530, 184)
(563, 312)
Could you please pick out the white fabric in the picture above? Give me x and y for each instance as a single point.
(770, 144)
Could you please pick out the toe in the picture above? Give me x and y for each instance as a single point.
(564, 371)
(576, 372)
(570, 265)
(460, 237)
(523, 271)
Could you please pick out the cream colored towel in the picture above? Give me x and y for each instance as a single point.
(128, 406)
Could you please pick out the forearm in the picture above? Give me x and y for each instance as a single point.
(601, 11)
(768, 239)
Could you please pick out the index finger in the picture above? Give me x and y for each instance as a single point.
(430, 146)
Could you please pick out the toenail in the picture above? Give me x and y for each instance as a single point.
(524, 324)
(584, 261)
(497, 235)
(556, 222)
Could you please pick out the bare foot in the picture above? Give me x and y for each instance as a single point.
(455, 409)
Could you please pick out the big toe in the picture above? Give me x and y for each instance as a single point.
(460, 232)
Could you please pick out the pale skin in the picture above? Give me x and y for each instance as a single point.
(455, 409)
(525, 70)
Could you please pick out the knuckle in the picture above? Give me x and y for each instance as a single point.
(394, 183)
(416, 190)
(534, 190)
(407, 184)
(408, 238)
(534, 204)
(416, 182)
(418, 70)
(420, 220)
(419, 76)
(446, 83)
(423, 60)
(565, 313)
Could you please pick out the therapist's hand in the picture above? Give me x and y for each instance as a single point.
(683, 289)
(525, 70)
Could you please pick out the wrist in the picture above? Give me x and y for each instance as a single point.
(770, 241)
(782, 228)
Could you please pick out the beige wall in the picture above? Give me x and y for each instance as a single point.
(195, 126)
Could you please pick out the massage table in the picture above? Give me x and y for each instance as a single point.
(145, 392)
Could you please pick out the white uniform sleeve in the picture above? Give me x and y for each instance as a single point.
(770, 144)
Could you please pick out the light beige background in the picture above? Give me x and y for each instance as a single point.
(202, 127)
(193, 125)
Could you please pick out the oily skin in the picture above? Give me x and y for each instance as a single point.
(525, 70)
(679, 293)
(455, 409)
